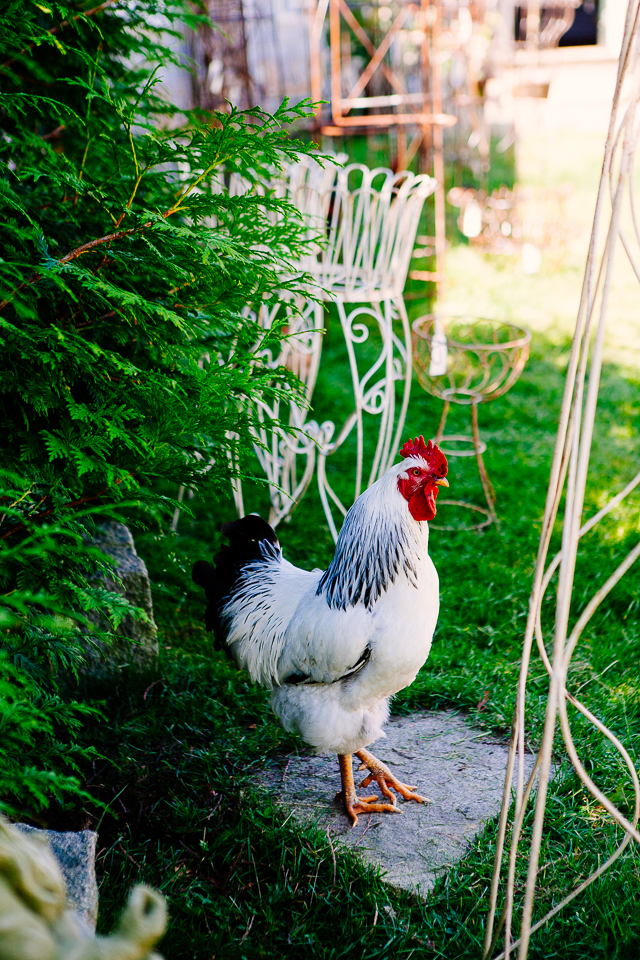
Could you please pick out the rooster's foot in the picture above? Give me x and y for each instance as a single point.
(354, 804)
(385, 779)
(365, 805)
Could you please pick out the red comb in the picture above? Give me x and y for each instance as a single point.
(429, 452)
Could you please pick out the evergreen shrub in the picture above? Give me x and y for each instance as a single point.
(129, 279)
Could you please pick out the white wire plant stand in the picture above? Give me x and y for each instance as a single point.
(468, 361)
(369, 218)
(613, 228)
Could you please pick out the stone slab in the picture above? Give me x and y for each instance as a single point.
(76, 855)
(460, 769)
(136, 641)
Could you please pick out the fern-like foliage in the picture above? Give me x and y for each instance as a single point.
(127, 266)
(128, 277)
(43, 635)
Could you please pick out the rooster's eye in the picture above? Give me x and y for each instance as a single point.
(416, 472)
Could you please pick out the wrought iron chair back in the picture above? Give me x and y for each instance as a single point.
(365, 221)
(371, 227)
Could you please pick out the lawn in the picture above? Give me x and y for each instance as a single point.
(180, 745)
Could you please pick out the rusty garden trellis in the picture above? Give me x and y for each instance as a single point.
(420, 109)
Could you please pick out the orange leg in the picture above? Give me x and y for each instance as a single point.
(385, 779)
(354, 804)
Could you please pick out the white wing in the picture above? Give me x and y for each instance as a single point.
(279, 630)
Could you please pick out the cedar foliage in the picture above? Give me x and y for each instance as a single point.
(129, 277)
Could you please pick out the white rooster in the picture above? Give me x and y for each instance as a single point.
(334, 646)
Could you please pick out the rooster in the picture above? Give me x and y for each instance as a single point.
(333, 647)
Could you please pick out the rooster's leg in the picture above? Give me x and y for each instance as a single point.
(385, 779)
(354, 804)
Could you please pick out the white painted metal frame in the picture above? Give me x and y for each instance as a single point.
(369, 219)
(372, 217)
(283, 437)
(569, 472)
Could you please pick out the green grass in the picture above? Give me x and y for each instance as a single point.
(181, 745)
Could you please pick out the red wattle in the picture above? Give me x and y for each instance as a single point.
(422, 504)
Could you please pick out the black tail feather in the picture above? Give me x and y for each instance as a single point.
(219, 579)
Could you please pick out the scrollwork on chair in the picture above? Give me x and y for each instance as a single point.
(278, 448)
(369, 218)
(373, 395)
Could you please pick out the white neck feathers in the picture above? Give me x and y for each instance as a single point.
(379, 541)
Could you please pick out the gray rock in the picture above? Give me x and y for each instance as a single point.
(137, 643)
(460, 769)
(76, 856)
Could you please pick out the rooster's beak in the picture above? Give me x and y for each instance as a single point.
(442, 482)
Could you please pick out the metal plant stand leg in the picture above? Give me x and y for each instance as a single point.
(478, 449)
(443, 421)
(487, 486)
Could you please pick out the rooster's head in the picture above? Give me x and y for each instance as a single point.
(423, 472)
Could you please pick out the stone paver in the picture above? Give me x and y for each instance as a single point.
(460, 769)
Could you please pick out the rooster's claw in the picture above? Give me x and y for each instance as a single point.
(364, 805)
(354, 804)
(381, 774)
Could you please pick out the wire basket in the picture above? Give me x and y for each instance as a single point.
(467, 360)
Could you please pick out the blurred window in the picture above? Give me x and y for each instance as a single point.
(584, 29)
(559, 24)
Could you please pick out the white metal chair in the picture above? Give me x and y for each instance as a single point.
(371, 232)
(283, 436)
(369, 218)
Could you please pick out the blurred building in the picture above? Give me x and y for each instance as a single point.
(505, 51)
(537, 78)
(259, 55)
(507, 67)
